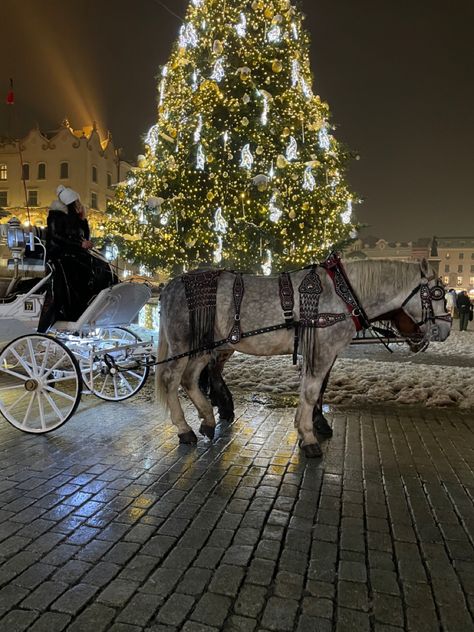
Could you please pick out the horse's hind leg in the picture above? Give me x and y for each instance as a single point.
(321, 425)
(171, 379)
(190, 383)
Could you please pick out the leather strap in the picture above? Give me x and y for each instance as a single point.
(235, 335)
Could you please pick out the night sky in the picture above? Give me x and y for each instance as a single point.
(399, 78)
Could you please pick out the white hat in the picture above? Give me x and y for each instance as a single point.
(67, 196)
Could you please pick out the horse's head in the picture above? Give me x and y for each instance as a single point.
(426, 308)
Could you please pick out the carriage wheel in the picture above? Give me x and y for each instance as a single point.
(119, 377)
(40, 383)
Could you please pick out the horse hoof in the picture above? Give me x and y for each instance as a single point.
(312, 451)
(322, 428)
(207, 431)
(188, 438)
(228, 419)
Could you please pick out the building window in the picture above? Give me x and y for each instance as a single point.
(446, 268)
(94, 200)
(42, 171)
(459, 280)
(461, 255)
(94, 174)
(3, 199)
(471, 281)
(64, 171)
(109, 180)
(32, 198)
(25, 171)
(460, 268)
(472, 255)
(3, 172)
(446, 280)
(448, 256)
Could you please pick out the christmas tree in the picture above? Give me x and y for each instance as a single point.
(241, 168)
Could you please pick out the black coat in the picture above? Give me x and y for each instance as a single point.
(464, 304)
(65, 233)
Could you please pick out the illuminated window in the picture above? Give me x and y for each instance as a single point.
(94, 174)
(471, 281)
(3, 198)
(459, 280)
(64, 170)
(448, 256)
(94, 200)
(446, 280)
(3, 172)
(41, 171)
(109, 180)
(32, 198)
(446, 268)
(25, 171)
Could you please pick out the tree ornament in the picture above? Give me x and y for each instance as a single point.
(309, 181)
(282, 162)
(275, 210)
(277, 66)
(261, 181)
(217, 47)
(292, 149)
(247, 159)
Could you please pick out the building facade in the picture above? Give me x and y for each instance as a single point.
(32, 168)
(456, 256)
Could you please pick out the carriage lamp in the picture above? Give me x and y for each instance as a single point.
(16, 238)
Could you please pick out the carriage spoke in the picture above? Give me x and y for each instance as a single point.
(24, 378)
(104, 384)
(45, 357)
(41, 412)
(115, 386)
(53, 406)
(16, 402)
(55, 366)
(127, 383)
(34, 364)
(28, 410)
(9, 388)
(59, 393)
(23, 363)
(65, 378)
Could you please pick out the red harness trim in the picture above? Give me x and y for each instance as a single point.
(334, 268)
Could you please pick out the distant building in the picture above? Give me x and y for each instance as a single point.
(456, 255)
(31, 169)
(376, 248)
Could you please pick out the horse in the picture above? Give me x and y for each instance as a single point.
(335, 300)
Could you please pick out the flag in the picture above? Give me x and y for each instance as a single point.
(11, 94)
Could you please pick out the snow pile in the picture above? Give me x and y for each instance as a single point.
(355, 380)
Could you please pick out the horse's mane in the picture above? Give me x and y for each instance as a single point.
(369, 276)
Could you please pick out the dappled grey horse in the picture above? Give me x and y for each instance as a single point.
(194, 320)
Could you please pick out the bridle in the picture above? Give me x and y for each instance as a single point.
(427, 296)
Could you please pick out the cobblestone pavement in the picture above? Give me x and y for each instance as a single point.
(108, 525)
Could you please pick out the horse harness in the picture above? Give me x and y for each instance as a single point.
(201, 297)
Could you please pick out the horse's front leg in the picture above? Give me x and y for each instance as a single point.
(311, 387)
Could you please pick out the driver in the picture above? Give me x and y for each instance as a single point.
(78, 272)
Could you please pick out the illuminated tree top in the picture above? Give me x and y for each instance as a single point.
(241, 166)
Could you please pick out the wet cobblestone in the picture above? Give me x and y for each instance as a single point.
(109, 525)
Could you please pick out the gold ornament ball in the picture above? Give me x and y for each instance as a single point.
(259, 150)
(268, 13)
(210, 196)
(218, 47)
(281, 162)
(245, 122)
(277, 66)
(292, 214)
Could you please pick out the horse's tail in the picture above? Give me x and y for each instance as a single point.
(161, 390)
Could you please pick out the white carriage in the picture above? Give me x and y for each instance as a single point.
(43, 376)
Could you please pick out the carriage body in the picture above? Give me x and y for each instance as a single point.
(43, 376)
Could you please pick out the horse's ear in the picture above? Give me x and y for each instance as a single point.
(424, 267)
